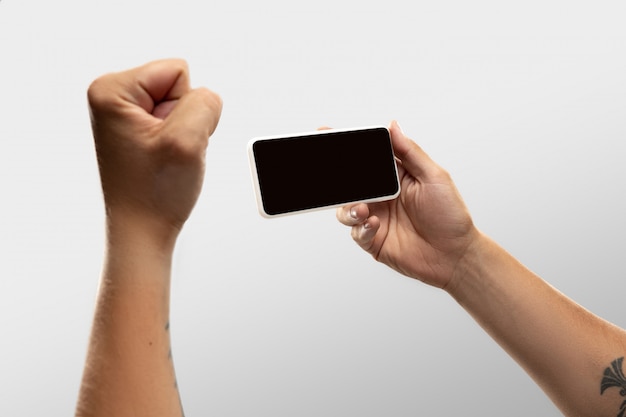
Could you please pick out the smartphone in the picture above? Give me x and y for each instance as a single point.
(322, 169)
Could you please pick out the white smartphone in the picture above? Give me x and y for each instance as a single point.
(322, 169)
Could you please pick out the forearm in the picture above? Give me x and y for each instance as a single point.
(562, 346)
(151, 131)
(129, 368)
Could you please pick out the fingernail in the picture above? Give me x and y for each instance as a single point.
(353, 213)
(365, 230)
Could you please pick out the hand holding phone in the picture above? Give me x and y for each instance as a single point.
(322, 169)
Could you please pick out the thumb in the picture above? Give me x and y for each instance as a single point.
(411, 156)
(194, 117)
(158, 81)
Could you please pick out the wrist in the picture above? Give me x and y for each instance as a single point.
(468, 268)
(137, 232)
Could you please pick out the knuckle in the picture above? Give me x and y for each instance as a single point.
(440, 174)
(445, 175)
(354, 232)
(211, 99)
(339, 214)
(180, 63)
(179, 147)
(100, 94)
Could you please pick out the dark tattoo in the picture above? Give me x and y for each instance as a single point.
(169, 352)
(169, 358)
(614, 377)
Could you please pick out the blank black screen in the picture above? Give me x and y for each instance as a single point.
(305, 172)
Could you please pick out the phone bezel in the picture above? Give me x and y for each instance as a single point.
(255, 177)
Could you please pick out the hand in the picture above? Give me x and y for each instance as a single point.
(423, 233)
(151, 131)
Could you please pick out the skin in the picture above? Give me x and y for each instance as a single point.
(428, 234)
(151, 131)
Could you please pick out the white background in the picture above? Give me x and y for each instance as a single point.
(523, 102)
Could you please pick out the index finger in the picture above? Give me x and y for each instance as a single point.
(352, 215)
(145, 86)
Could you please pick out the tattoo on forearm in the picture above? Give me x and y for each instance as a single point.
(614, 377)
(169, 358)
